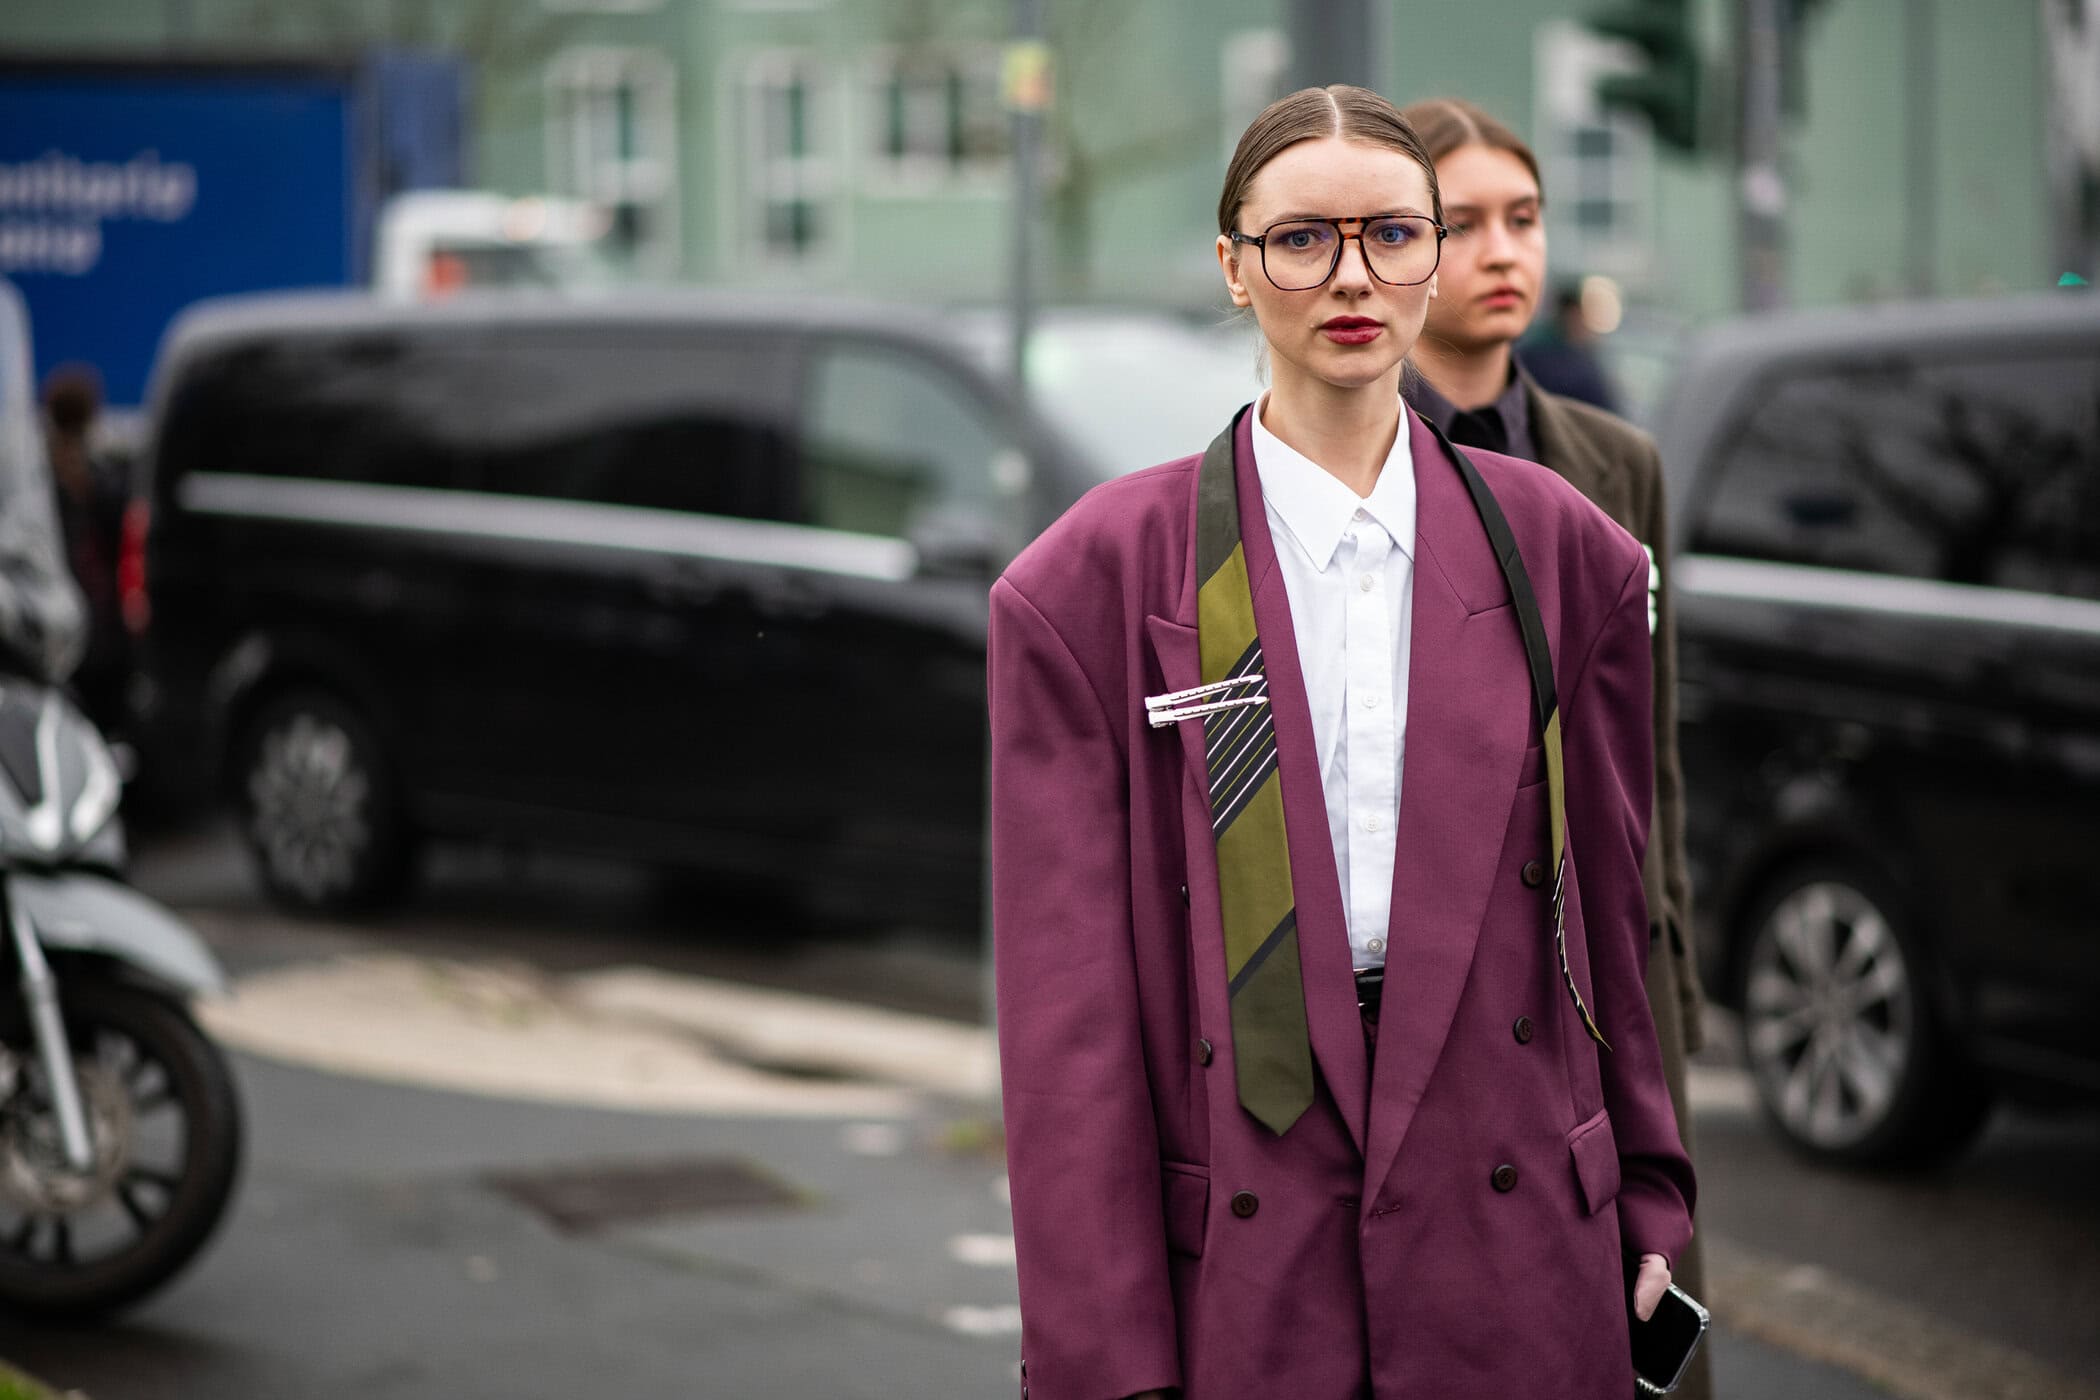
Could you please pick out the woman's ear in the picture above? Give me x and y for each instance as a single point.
(1229, 264)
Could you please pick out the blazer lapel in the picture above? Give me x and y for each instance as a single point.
(1335, 1023)
(1469, 715)
(1562, 447)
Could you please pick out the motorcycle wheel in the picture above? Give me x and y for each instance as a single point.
(166, 1125)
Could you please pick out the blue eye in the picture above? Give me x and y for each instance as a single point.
(1393, 235)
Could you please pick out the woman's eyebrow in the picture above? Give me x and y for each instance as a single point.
(1470, 208)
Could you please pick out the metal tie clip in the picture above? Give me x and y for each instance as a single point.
(1175, 706)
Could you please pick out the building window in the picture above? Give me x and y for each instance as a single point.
(612, 139)
(788, 171)
(935, 115)
(1599, 166)
(1254, 64)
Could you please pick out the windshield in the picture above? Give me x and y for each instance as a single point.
(1136, 391)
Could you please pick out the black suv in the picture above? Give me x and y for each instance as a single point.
(1889, 616)
(697, 579)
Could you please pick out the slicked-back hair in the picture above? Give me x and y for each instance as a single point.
(1447, 124)
(1310, 114)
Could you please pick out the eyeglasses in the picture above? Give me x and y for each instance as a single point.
(1300, 254)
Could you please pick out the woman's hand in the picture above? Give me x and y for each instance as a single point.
(1649, 1285)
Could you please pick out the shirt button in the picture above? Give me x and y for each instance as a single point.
(1361, 515)
(1371, 702)
(1373, 823)
(1366, 583)
(1374, 945)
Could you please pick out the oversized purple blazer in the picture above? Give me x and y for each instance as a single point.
(1166, 1238)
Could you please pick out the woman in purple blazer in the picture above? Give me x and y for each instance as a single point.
(1304, 1096)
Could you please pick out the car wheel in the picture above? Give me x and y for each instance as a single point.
(319, 808)
(1851, 1057)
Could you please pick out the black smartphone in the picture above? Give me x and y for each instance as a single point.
(1663, 1345)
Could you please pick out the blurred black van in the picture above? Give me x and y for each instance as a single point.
(1889, 620)
(696, 579)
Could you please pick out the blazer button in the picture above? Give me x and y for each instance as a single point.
(1534, 874)
(1202, 1052)
(1523, 1030)
(1245, 1203)
(1505, 1178)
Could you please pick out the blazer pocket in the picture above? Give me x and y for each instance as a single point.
(1596, 1154)
(1185, 1189)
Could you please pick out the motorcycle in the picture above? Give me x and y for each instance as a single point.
(120, 1129)
(120, 1132)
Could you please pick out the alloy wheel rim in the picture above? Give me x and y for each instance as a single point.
(310, 798)
(52, 1217)
(1829, 1014)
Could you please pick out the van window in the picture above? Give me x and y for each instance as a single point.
(1980, 471)
(637, 419)
(893, 444)
(367, 407)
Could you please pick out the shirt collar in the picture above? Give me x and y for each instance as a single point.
(1317, 510)
(1512, 403)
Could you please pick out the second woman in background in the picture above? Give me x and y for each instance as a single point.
(1468, 380)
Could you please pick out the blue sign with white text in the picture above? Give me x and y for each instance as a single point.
(124, 197)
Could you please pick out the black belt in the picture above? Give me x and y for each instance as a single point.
(1370, 987)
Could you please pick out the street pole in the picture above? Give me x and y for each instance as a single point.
(1331, 42)
(1920, 149)
(1027, 86)
(1761, 192)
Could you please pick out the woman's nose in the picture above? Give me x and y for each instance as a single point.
(1353, 268)
(1497, 245)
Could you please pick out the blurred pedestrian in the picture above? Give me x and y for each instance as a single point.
(1561, 355)
(91, 499)
(1276, 728)
(1469, 383)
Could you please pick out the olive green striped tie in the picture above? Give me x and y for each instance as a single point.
(1271, 1046)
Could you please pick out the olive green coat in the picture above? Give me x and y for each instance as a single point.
(1617, 466)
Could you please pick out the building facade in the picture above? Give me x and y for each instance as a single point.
(863, 146)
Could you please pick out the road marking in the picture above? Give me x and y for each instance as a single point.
(1719, 1091)
(994, 1320)
(872, 1139)
(1912, 1354)
(984, 1251)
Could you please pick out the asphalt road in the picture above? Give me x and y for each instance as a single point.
(387, 1242)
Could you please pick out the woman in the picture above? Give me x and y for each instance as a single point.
(1471, 385)
(1262, 726)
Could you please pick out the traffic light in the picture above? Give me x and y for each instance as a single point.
(1665, 88)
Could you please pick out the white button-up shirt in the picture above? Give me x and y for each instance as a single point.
(1349, 571)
